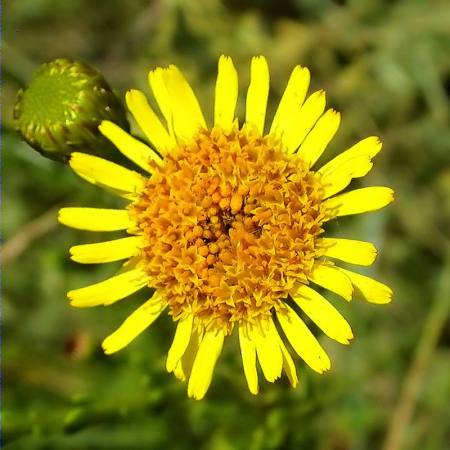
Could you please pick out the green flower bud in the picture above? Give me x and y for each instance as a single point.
(60, 110)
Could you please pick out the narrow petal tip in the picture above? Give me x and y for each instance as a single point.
(134, 95)
(326, 366)
(74, 301)
(109, 346)
(104, 124)
(60, 216)
(388, 296)
(321, 93)
(348, 293)
(105, 348)
(392, 198)
(254, 391)
(224, 58)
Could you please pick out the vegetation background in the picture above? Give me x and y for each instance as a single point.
(386, 66)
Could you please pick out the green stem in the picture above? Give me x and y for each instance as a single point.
(432, 329)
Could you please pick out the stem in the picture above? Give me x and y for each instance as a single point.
(432, 329)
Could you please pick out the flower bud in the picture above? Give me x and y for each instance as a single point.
(60, 110)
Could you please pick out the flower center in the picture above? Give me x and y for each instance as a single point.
(229, 225)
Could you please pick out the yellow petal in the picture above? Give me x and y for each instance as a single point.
(226, 93)
(268, 349)
(109, 291)
(372, 290)
(135, 324)
(108, 251)
(122, 194)
(331, 278)
(340, 175)
(106, 173)
(95, 219)
(303, 341)
(319, 137)
(323, 314)
(258, 92)
(179, 372)
(358, 201)
(204, 363)
(184, 367)
(129, 146)
(148, 121)
(180, 343)
(156, 79)
(348, 250)
(291, 101)
(288, 364)
(367, 147)
(187, 116)
(297, 128)
(248, 352)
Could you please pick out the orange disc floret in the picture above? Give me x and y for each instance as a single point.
(250, 235)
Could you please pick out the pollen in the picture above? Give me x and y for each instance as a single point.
(229, 223)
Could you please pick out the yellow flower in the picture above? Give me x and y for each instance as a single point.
(226, 227)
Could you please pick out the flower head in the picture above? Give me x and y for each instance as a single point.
(227, 224)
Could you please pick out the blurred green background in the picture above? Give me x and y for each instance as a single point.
(386, 67)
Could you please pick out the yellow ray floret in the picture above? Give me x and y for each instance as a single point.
(180, 343)
(248, 352)
(291, 101)
(156, 80)
(303, 341)
(288, 364)
(109, 291)
(319, 137)
(348, 250)
(359, 201)
(372, 290)
(323, 314)
(205, 360)
(108, 251)
(301, 123)
(368, 147)
(257, 94)
(265, 336)
(331, 278)
(148, 121)
(184, 367)
(354, 162)
(95, 219)
(339, 176)
(186, 113)
(226, 94)
(135, 324)
(106, 173)
(129, 146)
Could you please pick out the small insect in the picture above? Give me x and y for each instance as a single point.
(227, 219)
